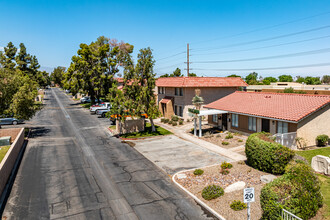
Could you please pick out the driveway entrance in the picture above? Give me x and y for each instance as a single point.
(173, 154)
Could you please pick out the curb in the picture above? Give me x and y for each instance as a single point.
(200, 202)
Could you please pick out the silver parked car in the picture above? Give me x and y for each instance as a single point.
(8, 120)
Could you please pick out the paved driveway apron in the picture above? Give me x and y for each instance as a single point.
(173, 154)
(73, 169)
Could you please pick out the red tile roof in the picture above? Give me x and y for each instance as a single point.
(285, 106)
(166, 99)
(200, 82)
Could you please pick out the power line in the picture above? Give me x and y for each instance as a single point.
(171, 56)
(274, 45)
(263, 40)
(169, 66)
(269, 68)
(325, 50)
(265, 28)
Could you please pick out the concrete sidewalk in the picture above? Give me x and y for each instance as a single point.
(180, 132)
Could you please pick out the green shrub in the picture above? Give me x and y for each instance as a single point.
(226, 165)
(224, 171)
(198, 172)
(180, 122)
(265, 155)
(225, 143)
(162, 120)
(240, 140)
(237, 205)
(170, 122)
(174, 123)
(166, 120)
(212, 192)
(229, 136)
(297, 191)
(322, 140)
(175, 118)
(188, 120)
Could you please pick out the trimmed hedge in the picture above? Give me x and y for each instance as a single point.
(266, 155)
(322, 140)
(297, 191)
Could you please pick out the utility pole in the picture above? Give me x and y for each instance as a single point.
(187, 59)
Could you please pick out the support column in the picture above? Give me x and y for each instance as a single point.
(195, 126)
(200, 126)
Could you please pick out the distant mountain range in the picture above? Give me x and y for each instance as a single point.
(47, 69)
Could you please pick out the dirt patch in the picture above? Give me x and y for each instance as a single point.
(212, 175)
(131, 144)
(265, 138)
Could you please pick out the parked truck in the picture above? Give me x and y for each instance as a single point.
(105, 106)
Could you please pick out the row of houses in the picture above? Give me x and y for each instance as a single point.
(304, 115)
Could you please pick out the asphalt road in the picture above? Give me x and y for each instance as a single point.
(74, 169)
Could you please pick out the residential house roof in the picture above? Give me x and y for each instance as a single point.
(284, 106)
(200, 82)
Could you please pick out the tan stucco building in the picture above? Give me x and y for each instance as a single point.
(301, 115)
(175, 94)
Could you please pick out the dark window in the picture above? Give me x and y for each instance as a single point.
(181, 91)
(180, 111)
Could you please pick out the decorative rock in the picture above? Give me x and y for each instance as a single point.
(181, 176)
(267, 178)
(321, 164)
(235, 186)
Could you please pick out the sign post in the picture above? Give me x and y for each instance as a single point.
(248, 197)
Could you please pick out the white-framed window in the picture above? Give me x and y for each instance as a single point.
(252, 124)
(282, 127)
(215, 118)
(234, 120)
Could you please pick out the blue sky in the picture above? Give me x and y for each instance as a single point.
(53, 30)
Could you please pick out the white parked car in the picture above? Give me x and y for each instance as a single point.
(104, 106)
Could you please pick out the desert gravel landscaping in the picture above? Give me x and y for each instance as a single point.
(239, 172)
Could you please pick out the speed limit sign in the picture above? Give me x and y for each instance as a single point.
(248, 195)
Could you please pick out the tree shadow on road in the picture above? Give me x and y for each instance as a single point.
(38, 132)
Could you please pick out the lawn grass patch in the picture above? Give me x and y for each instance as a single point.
(325, 190)
(3, 151)
(325, 180)
(147, 132)
(309, 154)
(113, 127)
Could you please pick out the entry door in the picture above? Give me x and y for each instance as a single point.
(265, 125)
(224, 121)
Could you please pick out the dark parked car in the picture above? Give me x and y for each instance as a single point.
(8, 120)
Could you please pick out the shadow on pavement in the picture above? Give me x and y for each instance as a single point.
(38, 132)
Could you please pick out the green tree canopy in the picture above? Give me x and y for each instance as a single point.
(17, 94)
(234, 75)
(57, 76)
(326, 79)
(285, 78)
(192, 74)
(271, 79)
(251, 79)
(7, 59)
(309, 80)
(300, 79)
